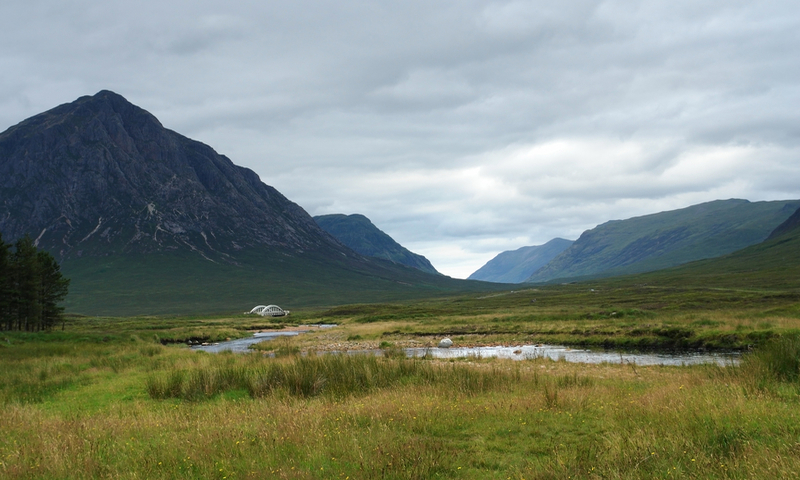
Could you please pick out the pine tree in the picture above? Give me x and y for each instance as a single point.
(53, 289)
(31, 287)
(26, 284)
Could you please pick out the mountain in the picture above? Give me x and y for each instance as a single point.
(145, 220)
(518, 265)
(100, 176)
(773, 264)
(790, 225)
(667, 239)
(359, 234)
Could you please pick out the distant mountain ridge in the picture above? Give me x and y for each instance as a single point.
(518, 265)
(667, 239)
(361, 235)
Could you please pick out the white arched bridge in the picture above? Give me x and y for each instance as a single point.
(269, 311)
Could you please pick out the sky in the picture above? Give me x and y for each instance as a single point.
(460, 128)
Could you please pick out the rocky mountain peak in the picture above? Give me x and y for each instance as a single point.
(100, 176)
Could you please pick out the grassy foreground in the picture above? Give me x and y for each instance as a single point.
(123, 398)
(127, 408)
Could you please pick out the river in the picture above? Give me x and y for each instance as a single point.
(518, 352)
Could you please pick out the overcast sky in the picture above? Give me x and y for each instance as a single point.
(460, 128)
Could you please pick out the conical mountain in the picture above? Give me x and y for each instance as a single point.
(146, 220)
(101, 176)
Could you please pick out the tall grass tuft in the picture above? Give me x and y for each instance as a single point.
(197, 384)
(550, 396)
(777, 360)
(334, 376)
(469, 381)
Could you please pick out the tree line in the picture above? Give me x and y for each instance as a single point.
(31, 287)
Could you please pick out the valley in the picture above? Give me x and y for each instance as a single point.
(166, 243)
(124, 396)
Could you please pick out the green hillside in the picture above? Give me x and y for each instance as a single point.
(186, 283)
(772, 264)
(667, 239)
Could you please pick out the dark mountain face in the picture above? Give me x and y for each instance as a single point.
(100, 176)
(147, 221)
(361, 235)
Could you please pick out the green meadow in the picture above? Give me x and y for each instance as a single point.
(103, 397)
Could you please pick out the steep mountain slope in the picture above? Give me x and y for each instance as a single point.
(791, 224)
(667, 239)
(146, 220)
(101, 176)
(518, 265)
(771, 264)
(359, 234)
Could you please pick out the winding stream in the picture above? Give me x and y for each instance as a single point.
(521, 352)
(242, 345)
(577, 355)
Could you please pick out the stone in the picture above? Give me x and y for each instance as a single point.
(445, 343)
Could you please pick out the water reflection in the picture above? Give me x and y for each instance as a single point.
(522, 352)
(557, 352)
(242, 345)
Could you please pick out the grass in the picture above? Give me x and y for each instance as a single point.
(170, 283)
(331, 375)
(778, 359)
(125, 397)
(590, 315)
(140, 409)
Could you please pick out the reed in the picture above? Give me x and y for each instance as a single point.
(331, 375)
(778, 359)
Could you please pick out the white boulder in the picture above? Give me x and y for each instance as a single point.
(445, 343)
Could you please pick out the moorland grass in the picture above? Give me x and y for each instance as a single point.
(137, 409)
(105, 398)
(592, 315)
(331, 375)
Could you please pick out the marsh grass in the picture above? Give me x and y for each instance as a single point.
(333, 416)
(330, 375)
(283, 347)
(773, 368)
(106, 400)
(777, 359)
